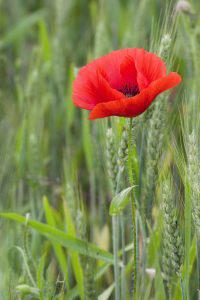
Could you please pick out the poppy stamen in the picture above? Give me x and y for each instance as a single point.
(129, 91)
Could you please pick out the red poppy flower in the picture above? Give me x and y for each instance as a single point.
(123, 83)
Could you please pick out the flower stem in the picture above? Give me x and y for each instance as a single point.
(135, 257)
(123, 274)
(115, 227)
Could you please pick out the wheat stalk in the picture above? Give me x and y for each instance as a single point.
(172, 255)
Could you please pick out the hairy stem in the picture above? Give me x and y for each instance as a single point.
(135, 259)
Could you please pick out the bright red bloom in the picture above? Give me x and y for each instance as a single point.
(123, 83)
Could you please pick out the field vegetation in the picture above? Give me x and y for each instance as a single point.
(71, 188)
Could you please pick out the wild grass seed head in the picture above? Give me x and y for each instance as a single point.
(172, 256)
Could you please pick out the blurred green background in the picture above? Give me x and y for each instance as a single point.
(48, 147)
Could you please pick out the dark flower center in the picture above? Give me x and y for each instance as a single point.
(129, 91)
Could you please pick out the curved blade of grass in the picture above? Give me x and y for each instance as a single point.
(63, 238)
(107, 293)
(26, 266)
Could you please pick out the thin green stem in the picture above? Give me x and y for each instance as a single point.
(142, 226)
(93, 203)
(115, 227)
(123, 269)
(182, 289)
(170, 295)
(134, 246)
(198, 260)
(187, 239)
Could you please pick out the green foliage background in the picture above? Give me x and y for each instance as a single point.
(53, 159)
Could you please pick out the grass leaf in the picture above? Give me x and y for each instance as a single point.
(120, 201)
(63, 238)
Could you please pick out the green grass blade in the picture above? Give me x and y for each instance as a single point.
(192, 258)
(107, 293)
(74, 256)
(63, 238)
(26, 266)
(44, 41)
(40, 277)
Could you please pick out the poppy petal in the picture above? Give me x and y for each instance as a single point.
(149, 67)
(128, 72)
(131, 107)
(92, 89)
(111, 65)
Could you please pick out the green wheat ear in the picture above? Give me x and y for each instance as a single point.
(156, 116)
(123, 147)
(172, 256)
(194, 175)
(111, 158)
